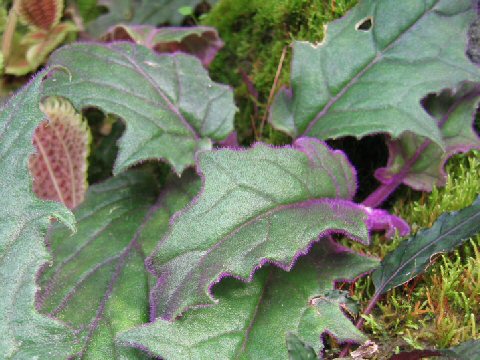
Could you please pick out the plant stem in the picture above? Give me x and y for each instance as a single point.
(9, 31)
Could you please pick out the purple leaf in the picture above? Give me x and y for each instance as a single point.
(200, 41)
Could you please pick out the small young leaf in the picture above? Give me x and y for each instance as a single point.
(23, 224)
(59, 168)
(258, 205)
(41, 14)
(419, 164)
(415, 254)
(170, 105)
(361, 81)
(200, 41)
(33, 48)
(251, 321)
(97, 282)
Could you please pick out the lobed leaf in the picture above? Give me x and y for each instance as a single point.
(97, 282)
(200, 41)
(252, 321)
(419, 163)
(23, 224)
(168, 102)
(62, 142)
(373, 68)
(413, 256)
(256, 206)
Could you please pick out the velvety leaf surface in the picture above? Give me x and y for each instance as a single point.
(200, 41)
(419, 163)
(142, 12)
(374, 67)
(170, 105)
(23, 224)
(415, 254)
(258, 205)
(62, 141)
(252, 321)
(97, 282)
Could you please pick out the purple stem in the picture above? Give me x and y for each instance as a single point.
(376, 198)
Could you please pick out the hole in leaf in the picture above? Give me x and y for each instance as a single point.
(365, 25)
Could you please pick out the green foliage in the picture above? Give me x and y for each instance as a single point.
(97, 282)
(441, 307)
(269, 220)
(251, 320)
(170, 105)
(255, 33)
(23, 226)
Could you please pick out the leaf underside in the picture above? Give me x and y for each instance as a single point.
(421, 165)
(23, 224)
(59, 167)
(200, 41)
(369, 79)
(97, 282)
(256, 206)
(169, 104)
(251, 321)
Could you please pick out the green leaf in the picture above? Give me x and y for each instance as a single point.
(141, 12)
(420, 164)
(468, 350)
(23, 224)
(251, 321)
(97, 282)
(170, 105)
(258, 205)
(374, 67)
(298, 350)
(414, 255)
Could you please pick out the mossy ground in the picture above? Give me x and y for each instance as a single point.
(438, 309)
(255, 33)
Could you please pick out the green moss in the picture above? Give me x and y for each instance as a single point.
(255, 33)
(440, 308)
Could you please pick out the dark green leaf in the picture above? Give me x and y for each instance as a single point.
(414, 255)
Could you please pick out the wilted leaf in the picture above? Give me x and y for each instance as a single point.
(256, 206)
(419, 163)
(170, 105)
(97, 282)
(23, 224)
(200, 41)
(374, 67)
(414, 255)
(252, 321)
(140, 12)
(62, 141)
